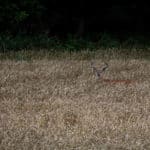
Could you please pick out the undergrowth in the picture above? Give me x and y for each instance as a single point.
(71, 43)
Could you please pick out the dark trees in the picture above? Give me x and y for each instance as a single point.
(78, 17)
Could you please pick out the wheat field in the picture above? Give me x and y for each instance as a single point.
(61, 105)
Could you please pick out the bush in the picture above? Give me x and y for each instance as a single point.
(105, 41)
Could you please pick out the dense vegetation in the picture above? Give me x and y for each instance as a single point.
(73, 24)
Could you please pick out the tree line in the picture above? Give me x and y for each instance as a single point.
(77, 17)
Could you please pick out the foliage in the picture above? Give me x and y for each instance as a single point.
(107, 41)
(64, 17)
(104, 41)
(18, 16)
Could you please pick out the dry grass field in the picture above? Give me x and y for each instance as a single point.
(61, 105)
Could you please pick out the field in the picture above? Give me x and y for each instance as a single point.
(60, 104)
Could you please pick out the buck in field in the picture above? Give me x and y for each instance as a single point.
(98, 73)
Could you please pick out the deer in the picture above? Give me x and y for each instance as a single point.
(98, 73)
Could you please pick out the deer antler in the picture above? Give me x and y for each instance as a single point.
(104, 68)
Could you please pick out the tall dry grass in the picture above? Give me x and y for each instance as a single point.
(60, 104)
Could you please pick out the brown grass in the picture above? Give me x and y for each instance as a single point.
(52, 104)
